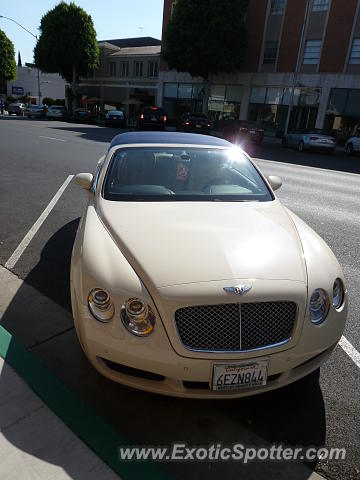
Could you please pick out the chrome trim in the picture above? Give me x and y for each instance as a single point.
(238, 289)
(230, 352)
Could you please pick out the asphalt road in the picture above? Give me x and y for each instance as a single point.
(36, 158)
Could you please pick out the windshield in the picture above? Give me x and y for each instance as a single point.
(183, 174)
(118, 113)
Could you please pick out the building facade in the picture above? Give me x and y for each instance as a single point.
(127, 76)
(52, 85)
(321, 37)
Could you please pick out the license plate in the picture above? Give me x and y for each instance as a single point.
(252, 132)
(198, 126)
(239, 375)
(153, 119)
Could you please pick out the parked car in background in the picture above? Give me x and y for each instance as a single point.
(151, 118)
(57, 112)
(16, 109)
(310, 140)
(82, 115)
(115, 118)
(240, 131)
(36, 111)
(194, 123)
(352, 146)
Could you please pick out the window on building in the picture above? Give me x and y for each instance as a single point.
(277, 7)
(270, 52)
(320, 5)
(312, 52)
(355, 52)
(153, 69)
(124, 69)
(138, 69)
(112, 69)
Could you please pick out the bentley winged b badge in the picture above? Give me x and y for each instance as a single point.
(238, 289)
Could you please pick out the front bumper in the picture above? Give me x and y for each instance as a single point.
(152, 364)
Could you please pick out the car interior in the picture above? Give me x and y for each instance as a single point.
(195, 173)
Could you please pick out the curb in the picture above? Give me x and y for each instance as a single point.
(103, 439)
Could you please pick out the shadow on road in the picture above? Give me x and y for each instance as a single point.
(294, 415)
(91, 132)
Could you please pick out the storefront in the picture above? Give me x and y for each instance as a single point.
(269, 107)
(224, 100)
(180, 98)
(224, 103)
(343, 114)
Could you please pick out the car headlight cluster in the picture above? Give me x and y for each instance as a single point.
(338, 294)
(319, 306)
(138, 317)
(100, 305)
(320, 303)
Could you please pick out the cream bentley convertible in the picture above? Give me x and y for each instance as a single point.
(190, 278)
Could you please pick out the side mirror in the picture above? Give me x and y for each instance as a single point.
(275, 181)
(84, 180)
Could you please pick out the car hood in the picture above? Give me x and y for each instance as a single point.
(170, 243)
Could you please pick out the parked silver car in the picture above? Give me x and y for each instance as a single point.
(57, 112)
(310, 140)
(38, 111)
(352, 146)
(16, 109)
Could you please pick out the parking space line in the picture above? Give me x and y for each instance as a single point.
(52, 138)
(350, 350)
(33, 230)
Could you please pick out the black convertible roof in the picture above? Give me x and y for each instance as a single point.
(168, 137)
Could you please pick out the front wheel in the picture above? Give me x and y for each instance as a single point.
(301, 146)
(349, 149)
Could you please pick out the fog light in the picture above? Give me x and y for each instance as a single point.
(137, 317)
(338, 293)
(319, 306)
(100, 305)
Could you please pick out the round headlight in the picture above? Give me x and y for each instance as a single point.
(100, 305)
(338, 293)
(137, 317)
(319, 306)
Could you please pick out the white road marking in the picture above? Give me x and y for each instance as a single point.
(350, 350)
(52, 138)
(33, 230)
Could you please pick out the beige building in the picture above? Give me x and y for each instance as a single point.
(127, 77)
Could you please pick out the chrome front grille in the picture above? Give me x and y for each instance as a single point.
(235, 327)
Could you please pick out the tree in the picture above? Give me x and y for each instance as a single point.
(7, 59)
(206, 37)
(67, 43)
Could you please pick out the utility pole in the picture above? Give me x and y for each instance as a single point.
(33, 35)
(297, 68)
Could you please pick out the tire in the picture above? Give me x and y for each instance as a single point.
(349, 149)
(301, 146)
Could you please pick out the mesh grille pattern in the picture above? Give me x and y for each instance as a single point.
(218, 327)
(264, 324)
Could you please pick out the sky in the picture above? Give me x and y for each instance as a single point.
(112, 19)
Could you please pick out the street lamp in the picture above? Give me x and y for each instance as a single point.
(297, 68)
(33, 35)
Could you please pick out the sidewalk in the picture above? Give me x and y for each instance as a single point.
(35, 443)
